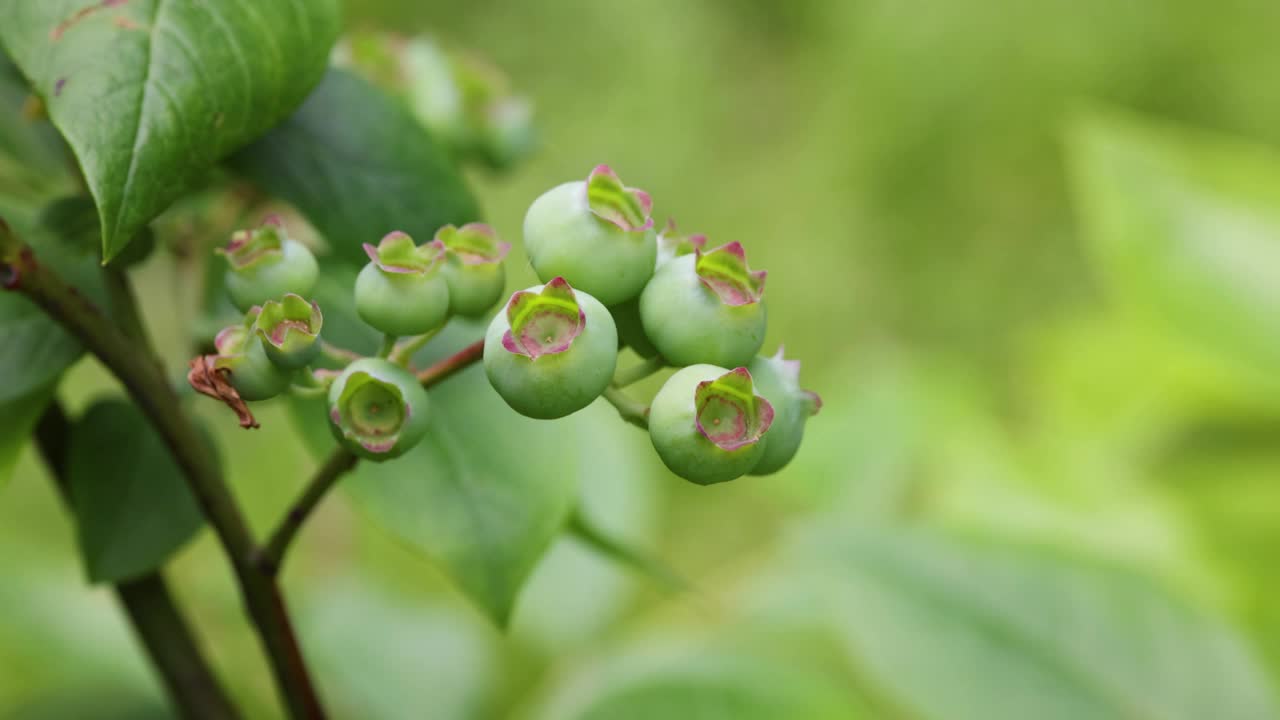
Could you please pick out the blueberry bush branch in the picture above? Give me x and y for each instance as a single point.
(549, 351)
(342, 461)
(20, 271)
(339, 462)
(160, 626)
(452, 364)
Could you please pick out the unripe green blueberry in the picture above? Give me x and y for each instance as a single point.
(402, 291)
(377, 409)
(289, 329)
(778, 381)
(596, 234)
(473, 257)
(706, 308)
(249, 370)
(708, 425)
(672, 244)
(553, 351)
(466, 102)
(630, 330)
(265, 263)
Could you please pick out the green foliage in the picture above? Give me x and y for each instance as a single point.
(31, 162)
(952, 629)
(1185, 228)
(974, 383)
(35, 351)
(132, 509)
(18, 415)
(481, 496)
(399, 658)
(358, 165)
(663, 683)
(186, 84)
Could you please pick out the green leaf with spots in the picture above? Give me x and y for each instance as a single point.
(358, 165)
(150, 94)
(133, 510)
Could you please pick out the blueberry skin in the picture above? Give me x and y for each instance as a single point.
(673, 430)
(564, 238)
(402, 304)
(253, 375)
(689, 324)
(791, 409)
(556, 385)
(473, 289)
(294, 272)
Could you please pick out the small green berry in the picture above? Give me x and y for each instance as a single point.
(708, 425)
(473, 267)
(630, 330)
(596, 234)
(672, 244)
(706, 308)
(465, 101)
(290, 331)
(553, 351)
(377, 409)
(778, 381)
(249, 370)
(402, 290)
(265, 263)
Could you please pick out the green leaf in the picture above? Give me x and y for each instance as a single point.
(150, 94)
(400, 658)
(33, 160)
(487, 490)
(1185, 229)
(948, 629)
(17, 418)
(35, 351)
(132, 508)
(661, 683)
(358, 165)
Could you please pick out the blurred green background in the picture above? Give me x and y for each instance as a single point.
(1029, 253)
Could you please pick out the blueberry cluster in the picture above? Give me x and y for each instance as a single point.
(377, 406)
(610, 281)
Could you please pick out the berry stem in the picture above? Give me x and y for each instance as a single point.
(150, 389)
(452, 364)
(306, 384)
(160, 625)
(634, 374)
(631, 410)
(338, 464)
(388, 345)
(124, 306)
(404, 352)
(338, 354)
